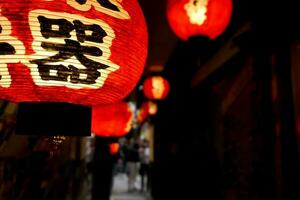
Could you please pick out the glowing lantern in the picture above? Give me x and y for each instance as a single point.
(114, 148)
(112, 120)
(147, 108)
(71, 51)
(142, 114)
(156, 88)
(198, 17)
(152, 107)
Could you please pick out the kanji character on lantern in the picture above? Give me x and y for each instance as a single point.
(10, 52)
(110, 7)
(75, 43)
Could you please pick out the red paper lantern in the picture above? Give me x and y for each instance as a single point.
(112, 120)
(114, 148)
(152, 107)
(148, 108)
(198, 17)
(156, 88)
(71, 51)
(142, 114)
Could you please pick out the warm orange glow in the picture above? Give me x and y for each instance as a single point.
(156, 87)
(114, 148)
(196, 11)
(113, 120)
(152, 108)
(142, 115)
(147, 109)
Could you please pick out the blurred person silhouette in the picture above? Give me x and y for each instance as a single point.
(144, 154)
(121, 161)
(132, 160)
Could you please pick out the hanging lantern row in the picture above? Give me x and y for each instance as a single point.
(189, 18)
(156, 88)
(113, 120)
(71, 51)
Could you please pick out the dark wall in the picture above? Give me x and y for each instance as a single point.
(241, 153)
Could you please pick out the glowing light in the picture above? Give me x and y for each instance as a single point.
(114, 148)
(156, 87)
(196, 11)
(113, 120)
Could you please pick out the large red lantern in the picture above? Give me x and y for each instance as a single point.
(71, 51)
(198, 17)
(112, 120)
(156, 88)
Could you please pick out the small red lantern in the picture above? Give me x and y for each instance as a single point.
(152, 107)
(147, 108)
(198, 17)
(71, 51)
(114, 148)
(156, 88)
(142, 114)
(112, 120)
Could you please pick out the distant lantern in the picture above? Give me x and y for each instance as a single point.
(147, 109)
(142, 115)
(112, 120)
(83, 52)
(156, 88)
(198, 17)
(152, 107)
(114, 148)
